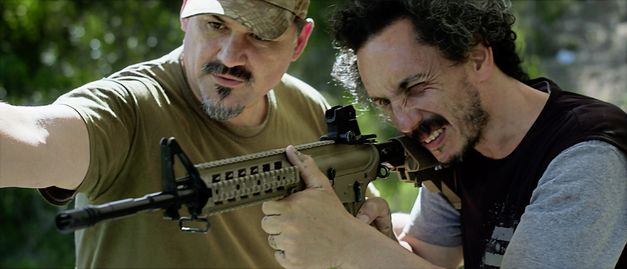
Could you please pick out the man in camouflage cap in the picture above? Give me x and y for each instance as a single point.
(223, 93)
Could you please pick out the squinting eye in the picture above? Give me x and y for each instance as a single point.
(418, 89)
(256, 37)
(216, 25)
(380, 102)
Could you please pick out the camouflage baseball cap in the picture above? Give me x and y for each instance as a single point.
(266, 18)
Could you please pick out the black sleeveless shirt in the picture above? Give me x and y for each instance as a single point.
(495, 192)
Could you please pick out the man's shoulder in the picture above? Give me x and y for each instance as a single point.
(293, 88)
(598, 153)
(575, 117)
(166, 71)
(159, 79)
(292, 83)
(156, 80)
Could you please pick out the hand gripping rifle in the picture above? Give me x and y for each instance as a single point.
(349, 159)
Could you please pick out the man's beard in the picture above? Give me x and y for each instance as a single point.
(216, 109)
(474, 118)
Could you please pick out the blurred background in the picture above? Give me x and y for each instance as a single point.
(48, 47)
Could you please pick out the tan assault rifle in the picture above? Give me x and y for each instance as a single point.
(350, 161)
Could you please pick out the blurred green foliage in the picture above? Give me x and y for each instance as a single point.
(48, 47)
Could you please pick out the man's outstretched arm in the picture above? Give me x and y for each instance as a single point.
(42, 146)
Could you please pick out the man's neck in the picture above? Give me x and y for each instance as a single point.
(513, 108)
(252, 116)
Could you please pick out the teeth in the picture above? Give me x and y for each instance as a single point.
(433, 136)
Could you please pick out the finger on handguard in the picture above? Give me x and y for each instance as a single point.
(309, 171)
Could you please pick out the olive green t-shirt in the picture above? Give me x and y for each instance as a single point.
(126, 115)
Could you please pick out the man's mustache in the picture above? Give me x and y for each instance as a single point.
(221, 69)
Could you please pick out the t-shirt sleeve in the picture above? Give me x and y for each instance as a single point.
(434, 220)
(108, 110)
(577, 216)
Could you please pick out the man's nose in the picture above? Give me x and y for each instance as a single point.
(406, 119)
(233, 51)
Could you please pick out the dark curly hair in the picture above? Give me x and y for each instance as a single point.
(452, 26)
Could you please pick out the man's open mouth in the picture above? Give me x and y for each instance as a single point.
(433, 136)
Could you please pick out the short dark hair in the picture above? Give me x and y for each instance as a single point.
(452, 26)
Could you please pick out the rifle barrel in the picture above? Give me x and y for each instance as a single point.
(70, 220)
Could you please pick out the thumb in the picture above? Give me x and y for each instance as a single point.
(376, 212)
(309, 171)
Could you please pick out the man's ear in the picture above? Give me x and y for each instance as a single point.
(482, 61)
(303, 38)
(185, 20)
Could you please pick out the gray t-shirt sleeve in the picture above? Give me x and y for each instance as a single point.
(434, 221)
(577, 217)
